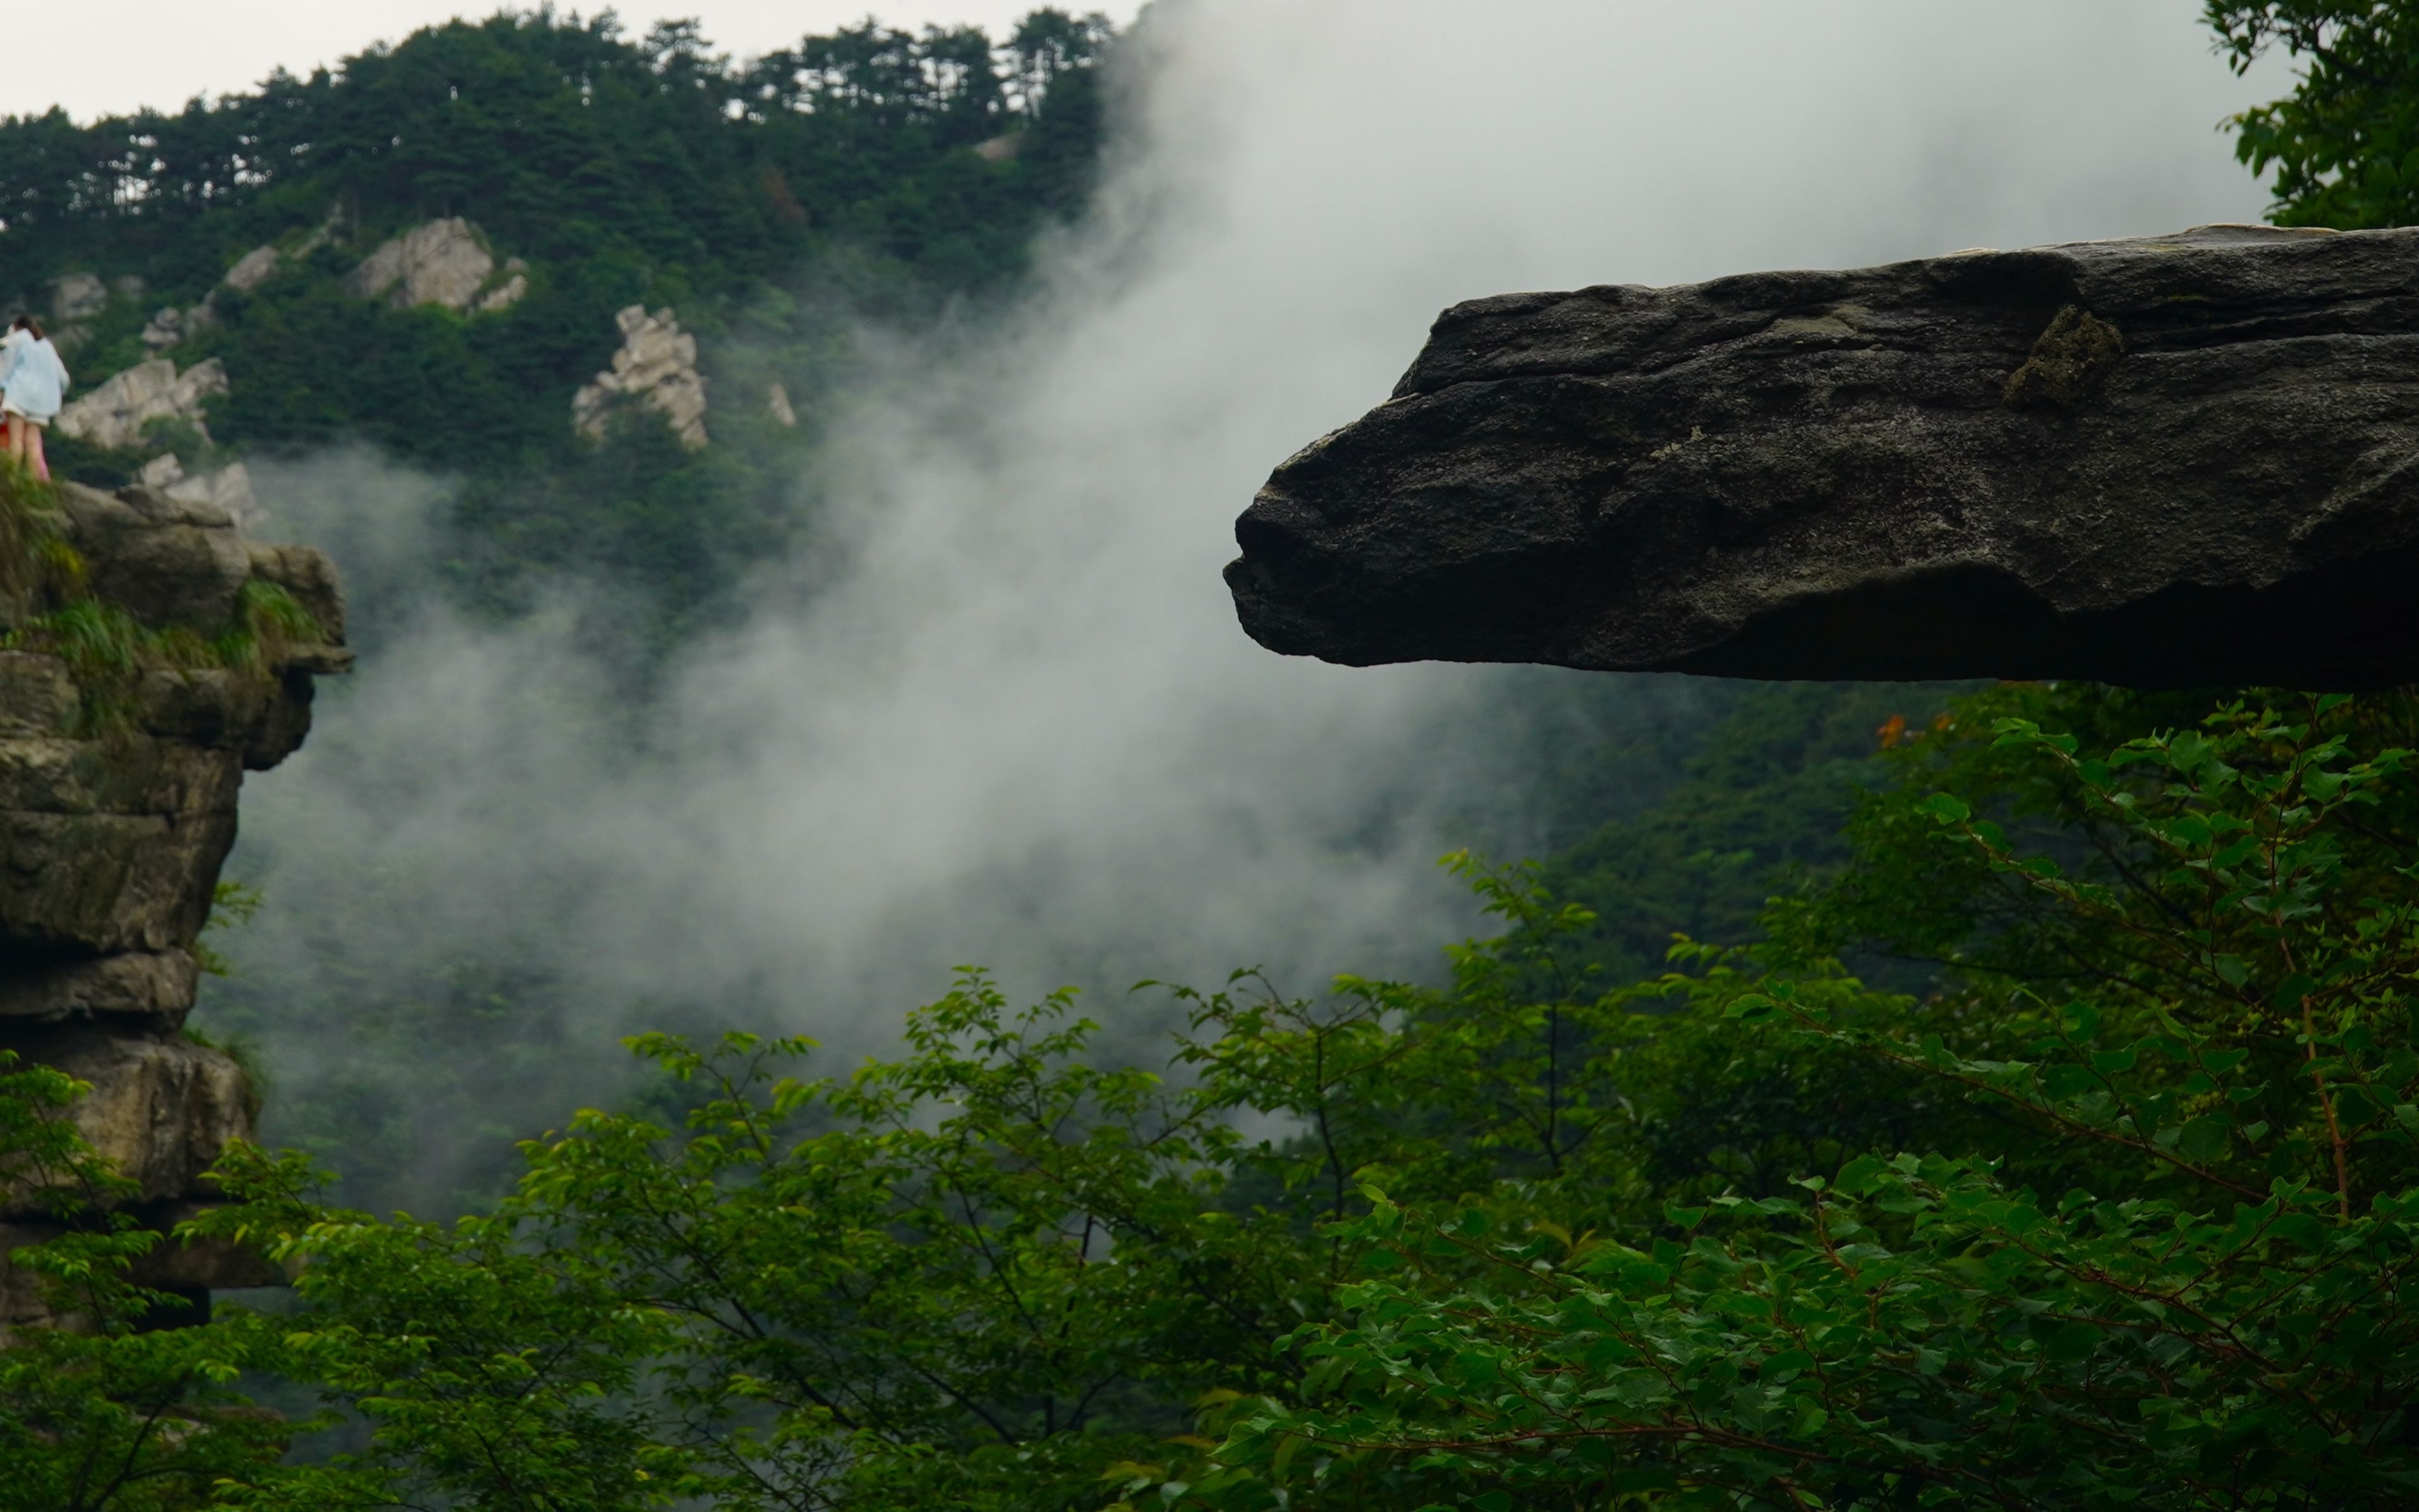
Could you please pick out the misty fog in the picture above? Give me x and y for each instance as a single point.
(1019, 725)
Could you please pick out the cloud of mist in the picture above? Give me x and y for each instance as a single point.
(1022, 727)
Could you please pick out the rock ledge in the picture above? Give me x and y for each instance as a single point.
(2165, 461)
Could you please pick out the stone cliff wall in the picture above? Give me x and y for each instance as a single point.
(117, 806)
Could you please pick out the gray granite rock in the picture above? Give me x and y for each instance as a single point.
(442, 262)
(2172, 460)
(115, 414)
(656, 366)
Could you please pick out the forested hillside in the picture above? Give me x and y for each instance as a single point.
(868, 175)
(1873, 1096)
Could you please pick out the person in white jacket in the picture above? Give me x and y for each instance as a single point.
(33, 385)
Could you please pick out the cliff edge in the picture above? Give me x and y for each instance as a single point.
(2165, 461)
(149, 655)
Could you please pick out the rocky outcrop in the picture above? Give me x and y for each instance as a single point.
(657, 367)
(2176, 460)
(77, 297)
(443, 262)
(191, 1269)
(166, 328)
(511, 285)
(114, 414)
(227, 487)
(254, 269)
(113, 823)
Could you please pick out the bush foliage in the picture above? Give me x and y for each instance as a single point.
(2120, 1216)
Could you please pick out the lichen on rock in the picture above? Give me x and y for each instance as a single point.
(2068, 363)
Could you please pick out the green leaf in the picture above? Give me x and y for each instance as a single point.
(1946, 807)
(2206, 1140)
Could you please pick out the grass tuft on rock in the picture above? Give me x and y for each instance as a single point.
(46, 606)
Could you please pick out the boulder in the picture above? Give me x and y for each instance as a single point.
(2164, 461)
(443, 263)
(168, 561)
(657, 365)
(165, 328)
(114, 414)
(228, 491)
(306, 573)
(148, 985)
(95, 868)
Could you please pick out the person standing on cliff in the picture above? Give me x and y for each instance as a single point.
(33, 385)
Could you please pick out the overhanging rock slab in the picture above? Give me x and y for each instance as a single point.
(2165, 461)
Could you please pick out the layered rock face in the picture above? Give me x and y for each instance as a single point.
(2166, 461)
(657, 365)
(112, 834)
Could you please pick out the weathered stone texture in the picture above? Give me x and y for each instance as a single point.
(227, 490)
(154, 986)
(443, 263)
(111, 838)
(657, 365)
(112, 834)
(114, 414)
(167, 560)
(2173, 460)
(160, 1108)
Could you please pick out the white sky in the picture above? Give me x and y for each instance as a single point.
(98, 57)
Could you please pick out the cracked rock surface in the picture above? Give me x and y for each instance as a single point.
(2162, 461)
